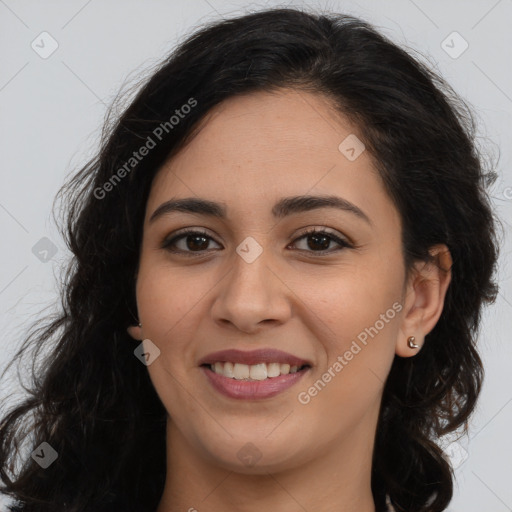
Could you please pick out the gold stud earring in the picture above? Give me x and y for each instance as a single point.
(410, 342)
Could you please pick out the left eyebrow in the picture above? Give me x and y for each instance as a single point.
(284, 207)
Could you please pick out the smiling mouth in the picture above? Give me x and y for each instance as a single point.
(255, 372)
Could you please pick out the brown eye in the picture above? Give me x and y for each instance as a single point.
(319, 241)
(195, 242)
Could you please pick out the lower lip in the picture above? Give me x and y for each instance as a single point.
(252, 389)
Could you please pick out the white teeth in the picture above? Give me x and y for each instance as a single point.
(241, 371)
(228, 370)
(273, 369)
(259, 371)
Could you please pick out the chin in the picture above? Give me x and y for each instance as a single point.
(255, 455)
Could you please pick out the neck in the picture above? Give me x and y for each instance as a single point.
(336, 480)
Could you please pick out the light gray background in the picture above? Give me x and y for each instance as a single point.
(52, 110)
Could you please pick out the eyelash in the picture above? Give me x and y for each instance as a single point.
(167, 243)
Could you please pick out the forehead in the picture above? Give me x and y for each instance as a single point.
(259, 147)
(286, 122)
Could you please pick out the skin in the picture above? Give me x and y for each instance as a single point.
(251, 151)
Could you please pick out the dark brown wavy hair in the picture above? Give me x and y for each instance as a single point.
(92, 400)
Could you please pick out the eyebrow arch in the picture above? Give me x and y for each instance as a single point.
(284, 207)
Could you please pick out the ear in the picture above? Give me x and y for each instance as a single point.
(135, 332)
(424, 299)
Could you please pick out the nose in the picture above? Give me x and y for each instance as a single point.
(252, 295)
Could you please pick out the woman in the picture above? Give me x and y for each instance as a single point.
(282, 251)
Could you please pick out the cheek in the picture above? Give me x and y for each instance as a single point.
(169, 302)
(167, 295)
(363, 319)
(168, 307)
(349, 299)
(357, 319)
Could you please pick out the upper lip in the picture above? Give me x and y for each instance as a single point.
(252, 357)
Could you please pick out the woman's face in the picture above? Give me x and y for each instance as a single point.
(256, 281)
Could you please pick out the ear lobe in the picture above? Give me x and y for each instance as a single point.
(135, 332)
(425, 295)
